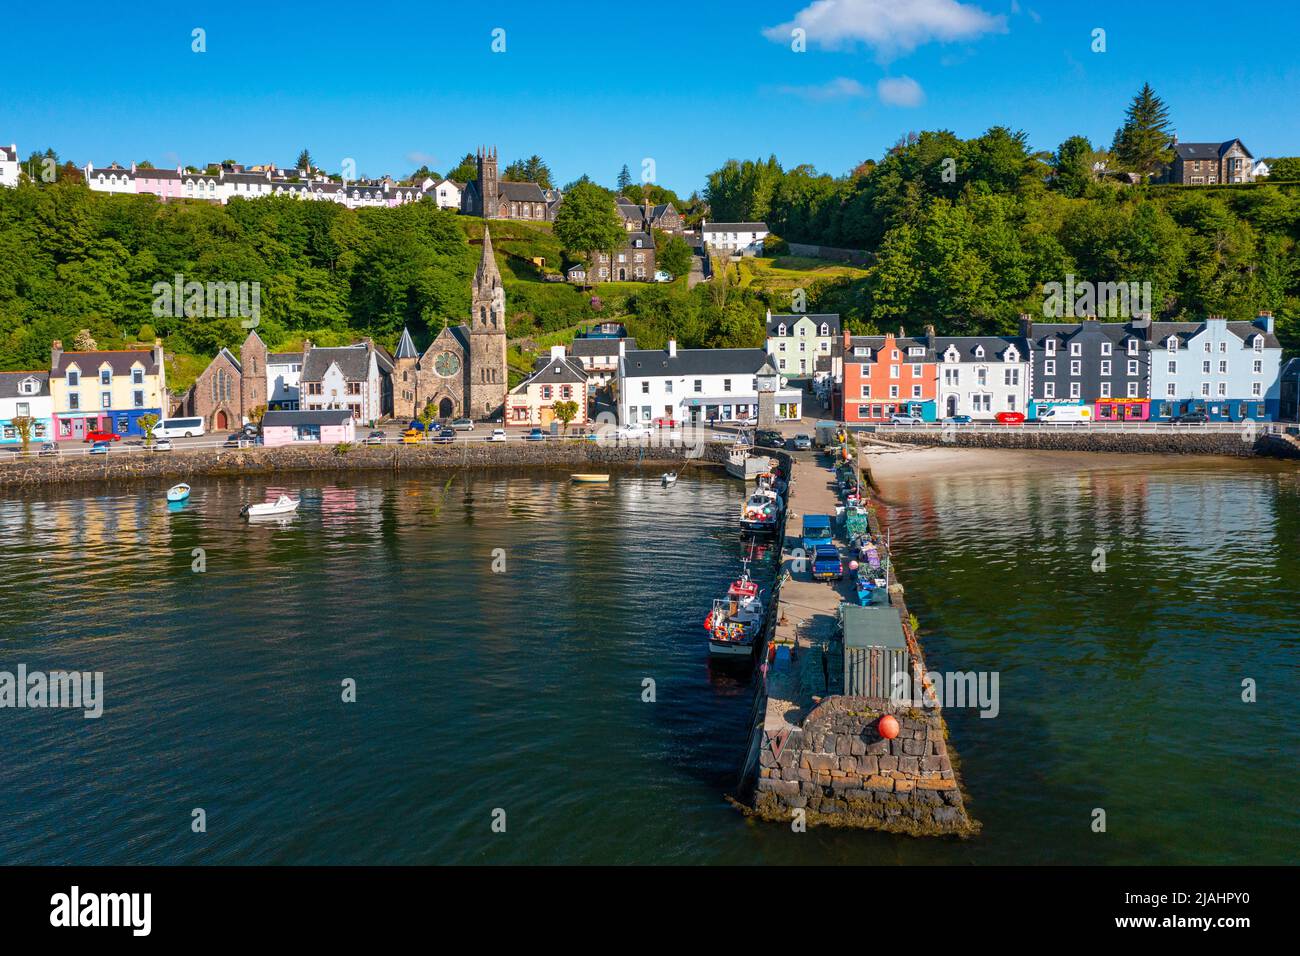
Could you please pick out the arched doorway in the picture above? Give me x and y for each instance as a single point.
(446, 407)
(622, 275)
(222, 422)
(952, 405)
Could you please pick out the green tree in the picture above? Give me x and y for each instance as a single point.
(148, 422)
(588, 222)
(1145, 142)
(304, 161)
(24, 425)
(566, 412)
(672, 254)
(1072, 166)
(1285, 167)
(624, 178)
(466, 170)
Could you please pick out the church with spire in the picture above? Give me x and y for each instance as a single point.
(462, 373)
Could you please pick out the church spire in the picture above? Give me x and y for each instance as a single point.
(487, 298)
(487, 276)
(405, 347)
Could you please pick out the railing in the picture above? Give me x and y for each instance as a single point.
(1167, 428)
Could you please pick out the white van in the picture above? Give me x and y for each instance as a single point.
(178, 428)
(1066, 414)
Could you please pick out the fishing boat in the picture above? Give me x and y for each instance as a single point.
(668, 478)
(280, 506)
(589, 479)
(761, 513)
(178, 492)
(736, 621)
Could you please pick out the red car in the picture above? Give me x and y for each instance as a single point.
(1010, 418)
(102, 436)
(666, 423)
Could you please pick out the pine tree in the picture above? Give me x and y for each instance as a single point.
(1145, 142)
(624, 178)
(304, 161)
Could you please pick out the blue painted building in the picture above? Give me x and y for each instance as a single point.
(1231, 371)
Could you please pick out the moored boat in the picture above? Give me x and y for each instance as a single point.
(761, 512)
(178, 492)
(280, 506)
(589, 479)
(668, 478)
(736, 621)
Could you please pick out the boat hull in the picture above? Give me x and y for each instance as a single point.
(731, 649)
(758, 529)
(590, 479)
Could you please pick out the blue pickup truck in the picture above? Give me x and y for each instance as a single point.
(816, 530)
(826, 563)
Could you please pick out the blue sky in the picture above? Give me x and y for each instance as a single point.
(589, 89)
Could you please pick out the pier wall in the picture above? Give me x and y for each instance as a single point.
(181, 465)
(1233, 444)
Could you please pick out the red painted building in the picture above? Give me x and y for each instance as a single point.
(885, 375)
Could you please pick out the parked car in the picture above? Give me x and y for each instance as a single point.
(769, 439)
(826, 563)
(537, 434)
(1010, 418)
(498, 434)
(99, 448)
(242, 439)
(663, 276)
(666, 423)
(462, 424)
(48, 448)
(162, 444)
(375, 438)
(900, 419)
(412, 436)
(816, 532)
(801, 442)
(1191, 418)
(442, 436)
(1066, 414)
(102, 436)
(633, 432)
(958, 420)
(750, 422)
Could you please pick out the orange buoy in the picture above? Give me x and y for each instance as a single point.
(888, 727)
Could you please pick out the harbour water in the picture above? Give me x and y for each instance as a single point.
(484, 686)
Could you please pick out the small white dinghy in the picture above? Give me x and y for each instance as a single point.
(668, 478)
(178, 492)
(280, 506)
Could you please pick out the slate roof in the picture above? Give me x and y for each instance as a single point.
(994, 346)
(406, 347)
(547, 370)
(120, 362)
(877, 342)
(830, 318)
(644, 363)
(9, 384)
(353, 361)
(1204, 151)
(584, 347)
(156, 173)
(1160, 332)
(9, 152)
(324, 416)
(1065, 331)
(520, 192)
(282, 357)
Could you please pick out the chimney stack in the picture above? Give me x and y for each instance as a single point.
(1265, 321)
(672, 348)
(557, 352)
(56, 353)
(622, 347)
(1026, 325)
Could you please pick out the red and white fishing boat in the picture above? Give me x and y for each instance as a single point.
(736, 620)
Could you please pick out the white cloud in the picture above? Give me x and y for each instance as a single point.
(900, 91)
(890, 27)
(424, 159)
(840, 88)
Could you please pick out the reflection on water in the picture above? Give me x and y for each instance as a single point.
(501, 631)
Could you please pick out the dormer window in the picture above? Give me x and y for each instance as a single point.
(27, 386)
(1172, 343)
(1258, 343)
(1132, 346)
(1105, 348)
(979, 351)
(74, 378)
(105, 376)
(1050, 346)
(780, 329)
(1011, 355)
(826, 329)
(951, 354)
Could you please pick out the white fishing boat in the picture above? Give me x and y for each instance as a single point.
(280, 506)
(736, 621)
(761, 512)
(178, 492)
(668, 478)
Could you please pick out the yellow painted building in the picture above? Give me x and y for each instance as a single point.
(106, 390)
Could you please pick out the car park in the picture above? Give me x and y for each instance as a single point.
(769, 439)
(442, 436)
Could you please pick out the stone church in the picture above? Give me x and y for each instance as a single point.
(491, 197)
(462, 373)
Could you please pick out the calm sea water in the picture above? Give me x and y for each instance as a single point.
(522, 690)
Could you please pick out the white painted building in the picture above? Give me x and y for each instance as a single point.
(110, 179)
(696, 385)
(796, 341)
(447, 194)
(283, 376)
(736, 238)
(982, 375)
(347, 377)
(9, 165)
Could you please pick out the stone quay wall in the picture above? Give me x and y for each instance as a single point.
(838, 768)
(1230, 443)
(181, 465)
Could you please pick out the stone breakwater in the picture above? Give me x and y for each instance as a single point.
(838, 768)
(1233, 444)
(181, 465)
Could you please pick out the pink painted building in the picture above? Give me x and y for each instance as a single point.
(327, 426)
(163, 183)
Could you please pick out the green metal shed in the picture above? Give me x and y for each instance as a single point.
(875, 651)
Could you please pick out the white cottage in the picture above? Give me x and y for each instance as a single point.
(981, 375)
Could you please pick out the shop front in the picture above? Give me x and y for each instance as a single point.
(1122, 410)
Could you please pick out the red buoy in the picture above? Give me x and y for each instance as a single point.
(888, 727)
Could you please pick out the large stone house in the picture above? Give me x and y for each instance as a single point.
(633, 262)
(463, 371)
(647, 217)
(1197, 164)
(491, 197)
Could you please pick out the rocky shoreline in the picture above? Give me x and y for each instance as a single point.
(183, 465)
